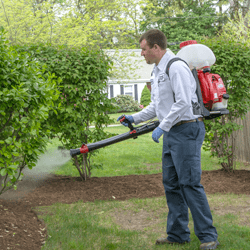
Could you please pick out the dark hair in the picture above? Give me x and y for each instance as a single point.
(154, 36)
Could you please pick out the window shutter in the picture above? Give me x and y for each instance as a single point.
(136, 92)
(111, 91)
(122, 89)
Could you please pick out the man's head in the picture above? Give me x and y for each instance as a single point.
(153, 44)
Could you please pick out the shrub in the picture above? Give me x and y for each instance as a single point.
(83, 101)
(27, 94)
(126, 103)
(232, 61)
(145, 96)
(115, 106)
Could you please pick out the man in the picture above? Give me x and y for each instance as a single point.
(183, 135)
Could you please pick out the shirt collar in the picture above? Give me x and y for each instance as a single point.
(162, 64)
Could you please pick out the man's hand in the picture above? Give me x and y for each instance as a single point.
(128, 117)
(157, 133)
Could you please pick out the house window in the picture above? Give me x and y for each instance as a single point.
(128, 90)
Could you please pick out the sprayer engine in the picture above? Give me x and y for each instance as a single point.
(213, 90)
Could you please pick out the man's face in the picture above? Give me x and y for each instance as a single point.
(150, 54)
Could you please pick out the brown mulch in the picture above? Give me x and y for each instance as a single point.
(20, 227)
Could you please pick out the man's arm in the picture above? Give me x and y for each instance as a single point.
(146, 114)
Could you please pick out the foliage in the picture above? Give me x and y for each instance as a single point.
(232, 63)
(90, 24)
(237, 8)
(83, 101)
(145, 96)
(27, 95)
(237, 29)
(104, 24)
(181, 21)
(126, 103)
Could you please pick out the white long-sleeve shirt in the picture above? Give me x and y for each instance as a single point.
(171, 97)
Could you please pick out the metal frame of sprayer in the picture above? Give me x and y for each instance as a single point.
(133, 133)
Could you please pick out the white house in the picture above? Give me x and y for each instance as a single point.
(132, 73)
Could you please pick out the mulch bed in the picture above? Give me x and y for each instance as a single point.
(30, 233)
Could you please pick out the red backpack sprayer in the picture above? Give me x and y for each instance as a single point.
(210, 90)
(213, 92)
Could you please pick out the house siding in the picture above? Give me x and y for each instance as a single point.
(140, 75)
(118, 89)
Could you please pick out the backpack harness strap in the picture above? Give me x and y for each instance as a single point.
(198, 107)
(171, 61)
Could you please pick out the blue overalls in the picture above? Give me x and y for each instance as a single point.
(181, 179)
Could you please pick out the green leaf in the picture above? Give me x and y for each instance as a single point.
(13, 167)
(24, 120)
(3, 172)
(8, 140)
(17, 144)
(30, 166)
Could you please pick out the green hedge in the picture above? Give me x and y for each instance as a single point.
(232, 64)
(83, 100)
(27, 95)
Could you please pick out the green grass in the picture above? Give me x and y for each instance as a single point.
(54, 143)
(133, 156)
(132, 224)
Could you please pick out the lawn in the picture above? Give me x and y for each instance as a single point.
(136, 223)
(133, 224)
(133, 156)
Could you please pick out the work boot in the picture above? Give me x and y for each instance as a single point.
(210, 245)
(162, 241)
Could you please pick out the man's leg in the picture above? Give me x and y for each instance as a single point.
(177, 221)
(185, 142)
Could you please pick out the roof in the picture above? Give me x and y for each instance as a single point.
(130, 65)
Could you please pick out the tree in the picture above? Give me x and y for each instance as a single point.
(180, 21)
(234, 8)
(237, 29)
(28, 21)
(90, 23)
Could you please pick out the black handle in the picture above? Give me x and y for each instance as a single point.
(123, 119)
